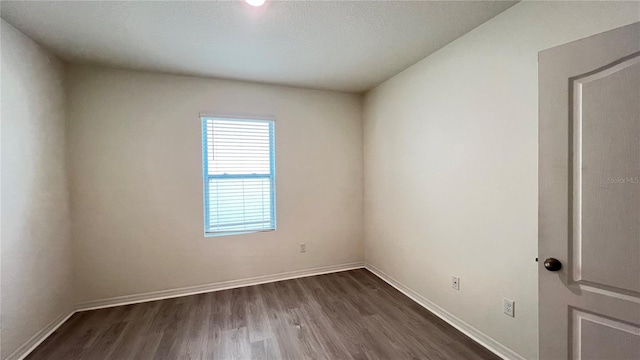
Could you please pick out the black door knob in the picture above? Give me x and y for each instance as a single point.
(552, 264)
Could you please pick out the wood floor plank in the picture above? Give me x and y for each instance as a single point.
(347, 315)
(194, 344)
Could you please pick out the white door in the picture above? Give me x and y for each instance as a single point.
(589, 193)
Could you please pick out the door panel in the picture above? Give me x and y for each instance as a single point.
(589, 197)
(606, 162)
(591, 331)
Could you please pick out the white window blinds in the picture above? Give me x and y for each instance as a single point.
(239, 176)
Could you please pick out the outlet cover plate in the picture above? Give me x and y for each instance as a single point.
(455, 282)
(510, 307)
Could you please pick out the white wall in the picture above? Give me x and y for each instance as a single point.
(36, 247)
(136, 181)
(451, 166)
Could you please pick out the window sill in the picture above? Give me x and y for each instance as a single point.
(218, 234)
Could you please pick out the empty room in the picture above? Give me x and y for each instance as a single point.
(262, 179)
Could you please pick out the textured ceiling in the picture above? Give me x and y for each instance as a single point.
(338, 45)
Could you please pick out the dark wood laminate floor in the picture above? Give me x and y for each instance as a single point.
(346, 315)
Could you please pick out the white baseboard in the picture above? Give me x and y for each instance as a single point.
(475, 334)
(39, 337)
(200, 289)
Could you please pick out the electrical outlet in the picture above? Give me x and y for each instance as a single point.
(455, 282)
(303, 248)
(510, 307)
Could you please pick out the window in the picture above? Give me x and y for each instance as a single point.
(239, 175)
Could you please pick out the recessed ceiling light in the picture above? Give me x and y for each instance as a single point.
(255, 2)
